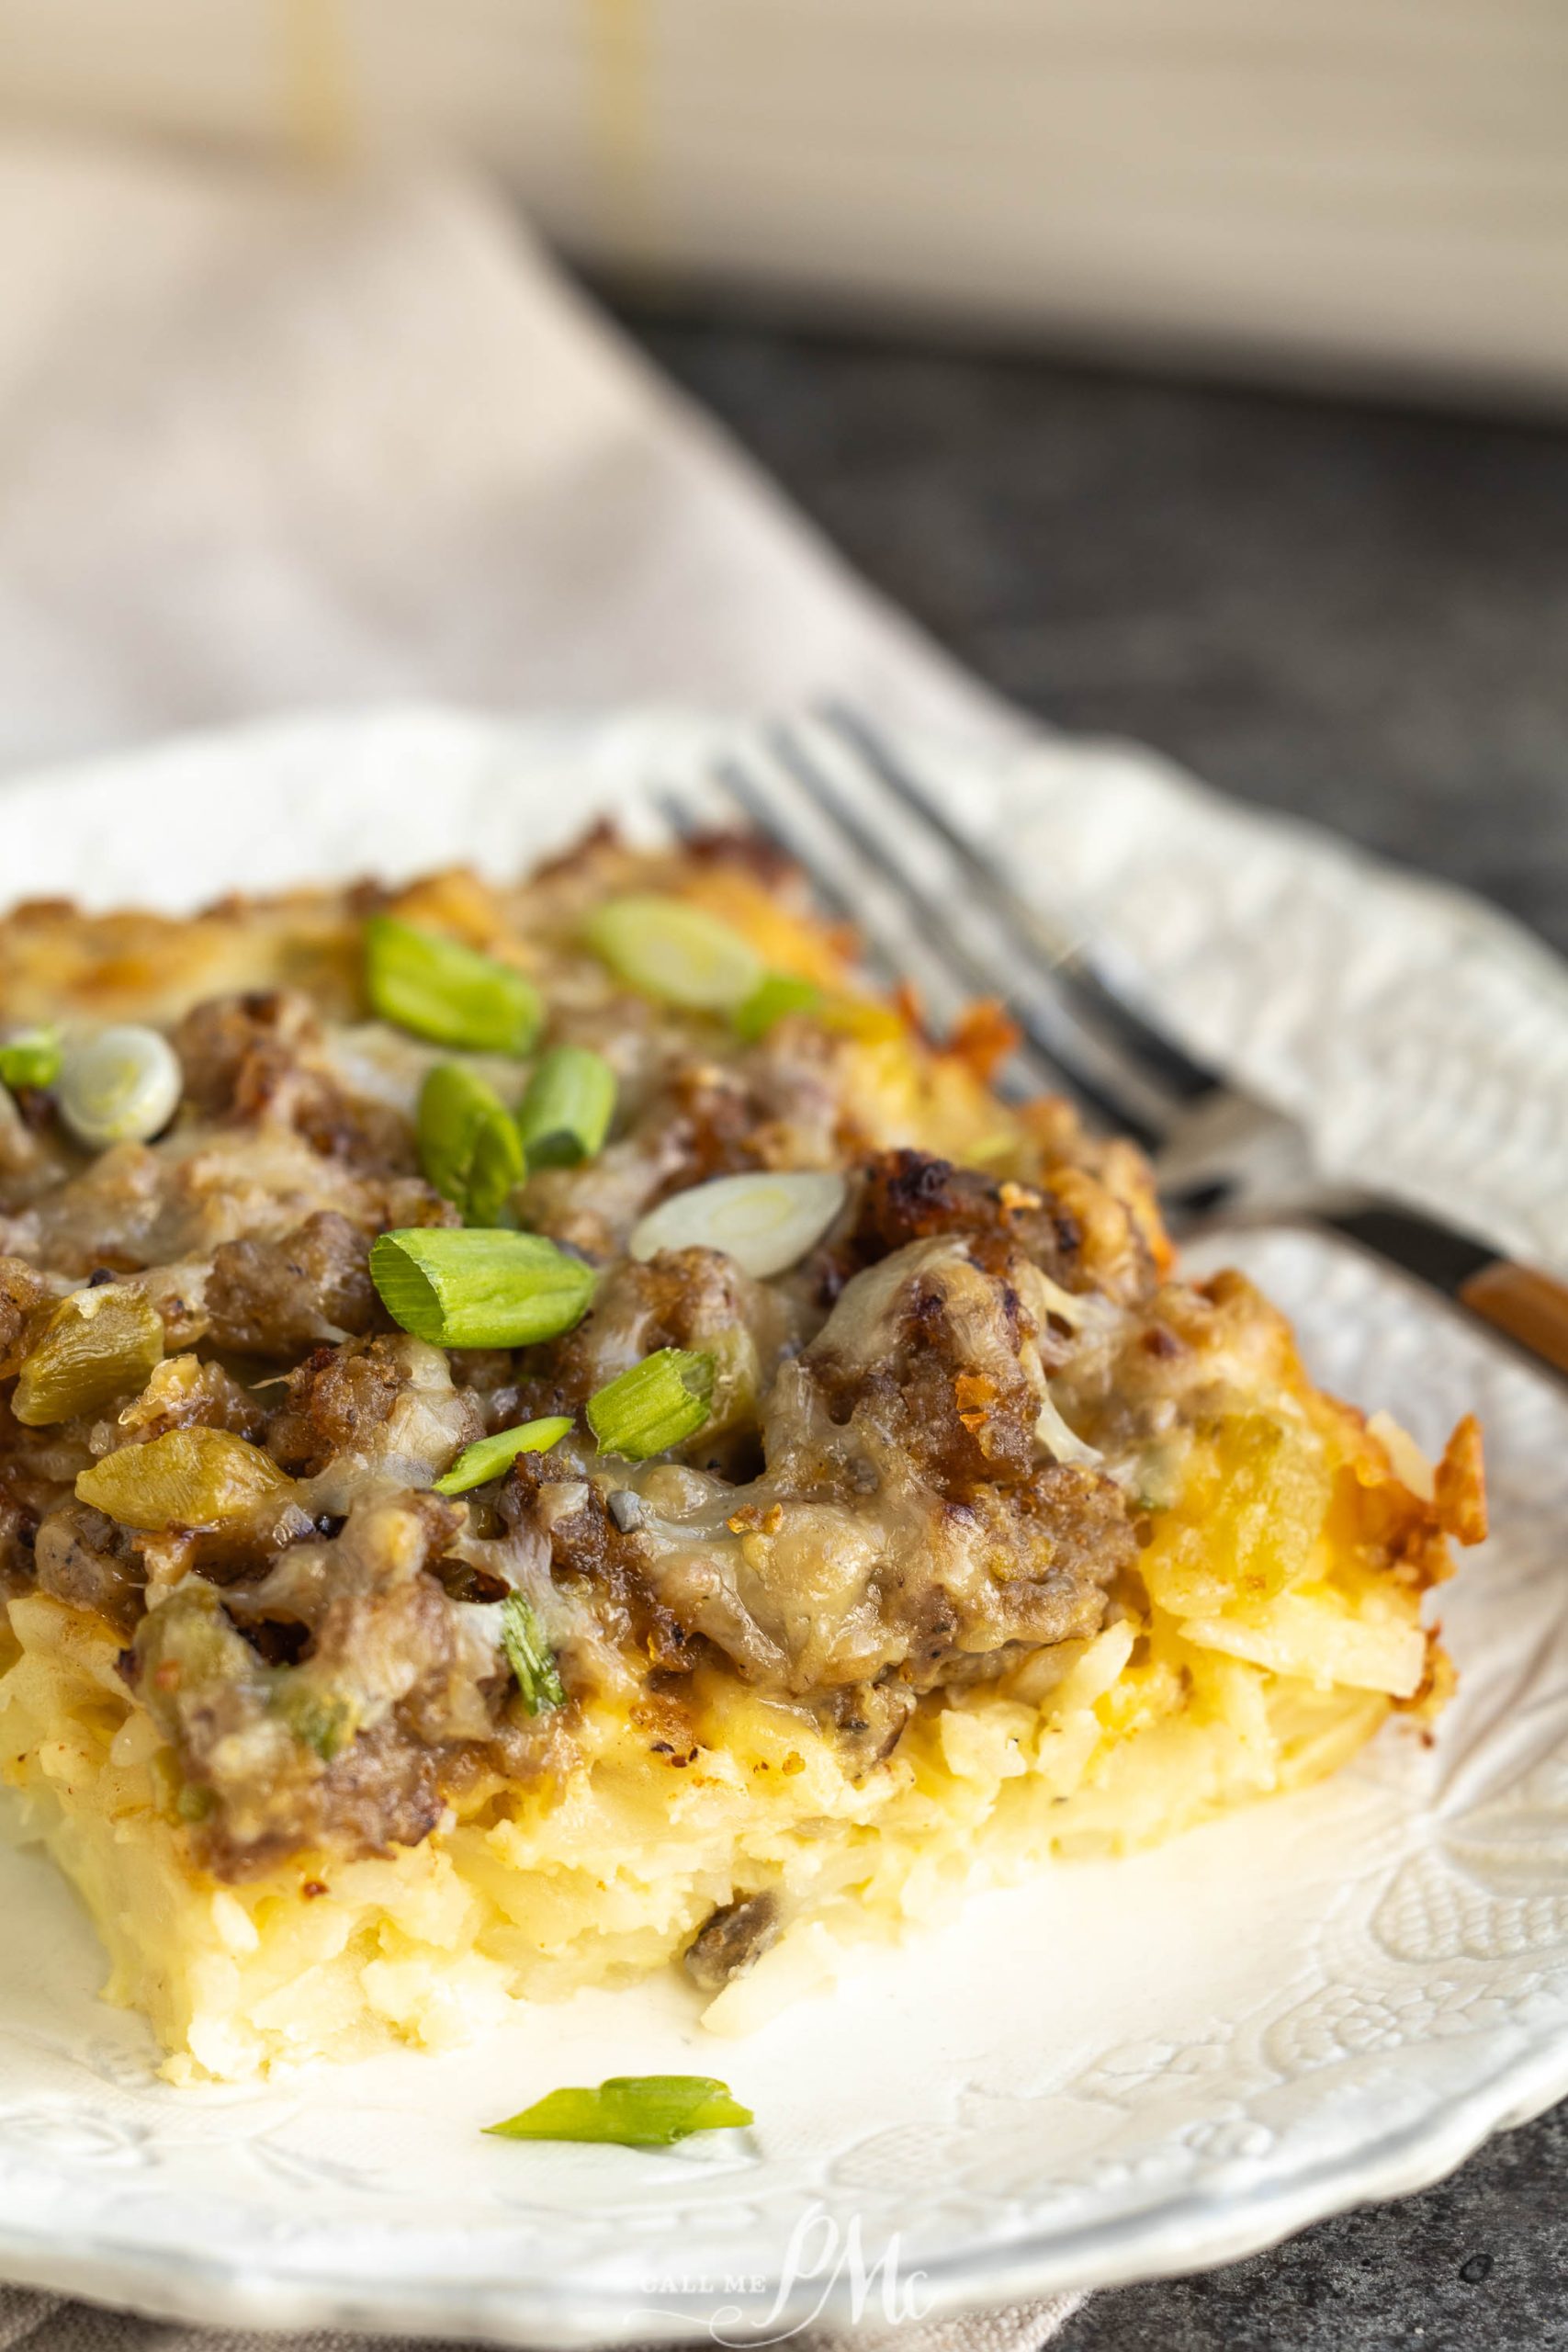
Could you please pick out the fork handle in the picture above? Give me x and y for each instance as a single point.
(1529, 1307)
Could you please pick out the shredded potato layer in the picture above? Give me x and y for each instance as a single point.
(995, 1541)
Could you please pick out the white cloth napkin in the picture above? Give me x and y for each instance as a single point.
(267, 443)
(264, 445)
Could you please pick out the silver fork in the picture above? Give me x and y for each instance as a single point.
(930, 903)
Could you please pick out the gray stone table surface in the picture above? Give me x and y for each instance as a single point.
(1355, 614)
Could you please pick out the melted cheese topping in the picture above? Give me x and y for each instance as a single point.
(1000, 1540)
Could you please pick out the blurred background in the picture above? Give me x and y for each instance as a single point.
(1195, 370)
(1312, 185)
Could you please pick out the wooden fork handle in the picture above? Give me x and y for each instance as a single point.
(1527, 1305)
(1531, 1307)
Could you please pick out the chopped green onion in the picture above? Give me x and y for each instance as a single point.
(653, 1404)
(442, 990)
(479, 1289)
(489, 1456)
(631, 2112)
(122, 1086)
(468, 1144)
(765, 1220)
(30, 1058)
(780, 992)
(529, 1655)
(670, 948)
(566, 1112)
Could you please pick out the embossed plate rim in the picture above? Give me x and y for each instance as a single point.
(1183, 2228)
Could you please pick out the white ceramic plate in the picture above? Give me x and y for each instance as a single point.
(1118, 2070)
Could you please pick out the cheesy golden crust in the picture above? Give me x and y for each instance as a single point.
(993, 1519)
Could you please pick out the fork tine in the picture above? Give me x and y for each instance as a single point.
(741, 800)
(687, 818)
(753, 806)
(974, 944)
(897, 945)
(890, 951)
(678, 811)
(1094, 1003)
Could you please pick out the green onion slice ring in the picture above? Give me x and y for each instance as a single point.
(123, 1085)
(567, 1110)
(489, 1456)
(765, 1220)
(449, 993)
(478, 1288)
(530, 1657)
(779, 993)
(631, 2112)
(469, 1147)
(671, 949)
(30, 1058)
(654, 1404)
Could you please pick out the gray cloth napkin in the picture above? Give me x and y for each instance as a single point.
(50, 2324)
(266, 445)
